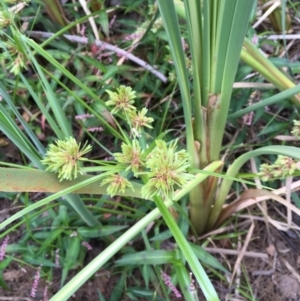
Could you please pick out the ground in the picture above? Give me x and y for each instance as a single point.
(270, 264)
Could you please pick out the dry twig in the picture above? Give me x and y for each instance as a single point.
(104, 45)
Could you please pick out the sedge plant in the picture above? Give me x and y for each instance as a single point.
(146, 167)
(216, 33)
(161, 166)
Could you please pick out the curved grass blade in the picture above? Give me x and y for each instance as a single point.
(11, 178)
(289, 151)
(85, 215)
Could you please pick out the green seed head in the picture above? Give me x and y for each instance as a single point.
(63, 158)
(122, 100)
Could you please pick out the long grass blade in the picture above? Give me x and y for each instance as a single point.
(12, 179)
(267, 102)
(170, 20)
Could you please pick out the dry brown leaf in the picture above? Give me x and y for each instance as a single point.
(249, 198)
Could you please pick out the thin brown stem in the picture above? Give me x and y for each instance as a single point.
(104, 45)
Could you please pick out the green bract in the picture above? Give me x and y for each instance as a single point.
(63, 157)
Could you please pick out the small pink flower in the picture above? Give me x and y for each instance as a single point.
(57, 258)
(248, 118)
(254, 39)
(112, 21)
(82, 30)
(35, 283)
(73, 234)
(192, 286)
(87, 245)
(133, 36)
(45, 294)
(168, 282)
(3, 247)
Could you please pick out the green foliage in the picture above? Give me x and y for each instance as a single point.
(163, 170)
(60, 92)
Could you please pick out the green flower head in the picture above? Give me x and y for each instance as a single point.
(286, 165)
(116, 183)
(168, 170)
(131, 157)
(282, 167)
(6, 18)
(14, 53)
(18, 64)
(122, 100)
(139, 119)
(265, 172)
(63, 158)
